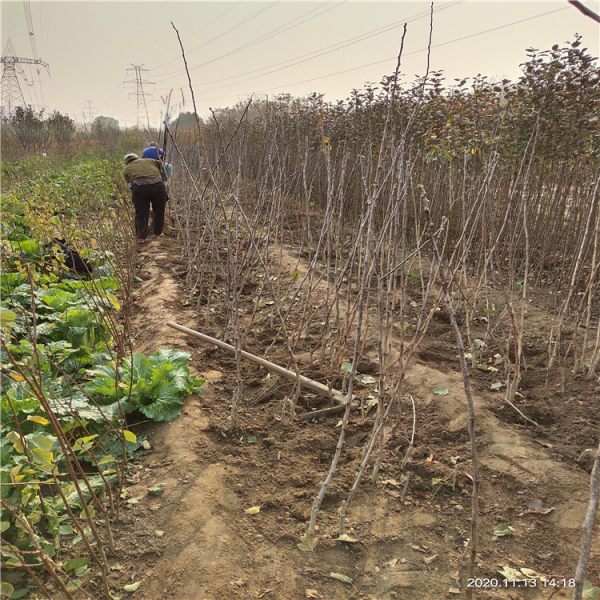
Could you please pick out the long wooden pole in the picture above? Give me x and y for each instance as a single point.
(311, 384)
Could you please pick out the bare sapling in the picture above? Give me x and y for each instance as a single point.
(367, 269)
(513, 384)
(593, 356)
(232, 298)
(583, 243)
(372, 194)
(404, 360)
(468, 395)
(383, 350)
(274, 296)
(588, 527)
(227, 274)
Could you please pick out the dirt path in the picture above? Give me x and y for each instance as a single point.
(195, 542)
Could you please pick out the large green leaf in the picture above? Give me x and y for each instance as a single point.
(140, 366)
(166, 406)
(9, 281)
(80, 317)
(180, 378)
(162, 371)
(31, 248)
(80, 407)
(45, 329)
(23, 404)
(58, 299)
(102, 386)
(175, 357)
(103, 370)
(102, 284)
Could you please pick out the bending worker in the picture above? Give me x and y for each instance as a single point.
(146, 178)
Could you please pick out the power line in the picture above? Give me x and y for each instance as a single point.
(327, 49)
(471, 35)
(117, 109)
(446, 43)
(220, 15)
(390, 58)
(300, 58)
(220, 35)
(111, 98)
(39, 79)
(29, 23)
(114, 104)
(291, 24)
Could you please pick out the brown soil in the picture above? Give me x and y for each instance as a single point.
(195, 542)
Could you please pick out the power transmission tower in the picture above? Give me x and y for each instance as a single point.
(12, 94)
(141, 96)
(89, 115)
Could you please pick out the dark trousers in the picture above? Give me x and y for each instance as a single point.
(143, 196)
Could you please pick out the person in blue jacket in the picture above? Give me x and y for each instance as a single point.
(152, 151)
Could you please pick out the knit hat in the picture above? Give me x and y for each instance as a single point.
(129, 157)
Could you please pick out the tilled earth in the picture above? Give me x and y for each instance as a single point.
(194, 541)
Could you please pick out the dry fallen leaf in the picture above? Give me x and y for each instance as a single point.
(341, 577)
(307, 543)
(390, 482)
(536, 507)
(393, 493)
(454, 588)
(531, 574)
(132, 587)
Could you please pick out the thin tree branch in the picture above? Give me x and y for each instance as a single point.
(588, 525)
(585, 10)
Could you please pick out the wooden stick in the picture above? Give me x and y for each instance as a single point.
(311, 384)
(324, 412)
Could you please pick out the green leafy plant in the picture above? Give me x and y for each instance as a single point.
(155, 385)
(367, 379)
(62, 391)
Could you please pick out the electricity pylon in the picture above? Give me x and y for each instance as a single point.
(141, 97)
(89, 115)
(12, 94)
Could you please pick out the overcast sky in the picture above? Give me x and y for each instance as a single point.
(239, 48)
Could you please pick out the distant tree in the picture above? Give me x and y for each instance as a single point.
(28, 127)
(185, 120)
(105, 130)
(11, 149)
(61, 128)
(103, 123)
